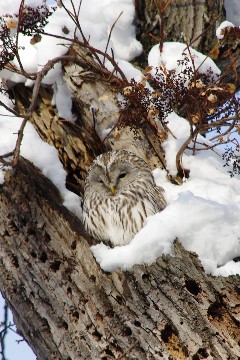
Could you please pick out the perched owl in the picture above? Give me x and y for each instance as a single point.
(119, 194)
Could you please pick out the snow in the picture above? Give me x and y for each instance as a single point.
(102, 14)
(222, 26)
(203, 212)
(44, 156)
(173, 52)
(63, 99)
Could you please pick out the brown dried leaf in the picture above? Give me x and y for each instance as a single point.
(212, 98)
(35, 39)
(220, 138)
(127, 90)
(162, 135)
(198, 84)
(12, 23)
(231, 88)
(211, 111)
(214, 53)
(195, 118)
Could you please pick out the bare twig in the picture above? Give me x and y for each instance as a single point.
(77, 15)
(74, 18)
(94, 52)
(231, 126)
(192, 61)
(110, 34)
(8, 108)
(161, 7)
(222, 121)
(20, 15)
(180, 152)
(18, 143)
(232, 63)
(3, 333)
(28, 114)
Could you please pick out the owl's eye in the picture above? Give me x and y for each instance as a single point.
(101, 181)
(121, 176)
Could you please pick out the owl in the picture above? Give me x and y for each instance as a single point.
(119, 194)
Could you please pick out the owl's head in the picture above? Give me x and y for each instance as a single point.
(116, 171)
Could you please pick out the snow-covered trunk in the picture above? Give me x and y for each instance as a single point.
(181, 18)
(68, 308)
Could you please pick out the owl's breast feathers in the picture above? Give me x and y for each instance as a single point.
(120, 217)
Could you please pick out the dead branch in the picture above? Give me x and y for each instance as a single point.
(110, 34)
(94, 51)
(181, 171)
(3, 333)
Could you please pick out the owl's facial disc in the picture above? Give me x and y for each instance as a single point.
(113, 179)
(121, 176)
(102, 181)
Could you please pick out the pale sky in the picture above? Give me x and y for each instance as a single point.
(15, 350)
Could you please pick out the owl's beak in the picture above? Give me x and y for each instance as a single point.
(112, 188)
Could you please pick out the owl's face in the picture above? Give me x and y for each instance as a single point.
(112, 178)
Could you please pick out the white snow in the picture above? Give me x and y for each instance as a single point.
(96, 19)
(44, 156)
(203, 212)
(222, 26)
(63, 99)
(173, 52)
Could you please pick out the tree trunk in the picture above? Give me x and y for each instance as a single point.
(65, 306)
(185, 20)
(68, 308)
(182, 19)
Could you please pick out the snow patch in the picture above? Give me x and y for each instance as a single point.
(222, 26)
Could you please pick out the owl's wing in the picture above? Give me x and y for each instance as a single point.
(160, 198)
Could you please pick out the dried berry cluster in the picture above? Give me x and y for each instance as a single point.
(7, 47)
(231, 157)
(198, 97)
(29, 21)
(209, 105)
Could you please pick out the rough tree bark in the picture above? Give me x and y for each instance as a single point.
(68, 308)
(65, 306)
(195, 21)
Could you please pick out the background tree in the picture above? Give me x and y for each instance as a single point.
(63, 303)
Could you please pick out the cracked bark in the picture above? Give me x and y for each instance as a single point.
(182, 18)
(68, 308)
(185, 19)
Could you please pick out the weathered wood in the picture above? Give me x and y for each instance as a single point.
(92, 92)
(78, 143)
(77, 146)
(68, 308)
